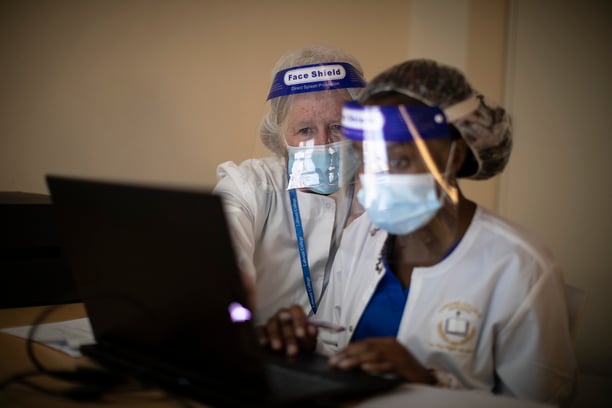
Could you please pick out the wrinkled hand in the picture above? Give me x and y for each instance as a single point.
(382, 355)
(289, 331)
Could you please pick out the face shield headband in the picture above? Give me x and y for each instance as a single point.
(376, 125)
(315, 77)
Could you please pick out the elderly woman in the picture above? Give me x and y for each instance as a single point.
(429, 285)
(283, 209)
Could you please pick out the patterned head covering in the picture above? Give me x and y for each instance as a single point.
(485, 127)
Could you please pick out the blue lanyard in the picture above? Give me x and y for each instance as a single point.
(299, 232)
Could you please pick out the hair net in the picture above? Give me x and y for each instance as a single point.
(270, 128)
(486, 129)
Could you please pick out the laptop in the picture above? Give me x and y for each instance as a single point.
(155, 268)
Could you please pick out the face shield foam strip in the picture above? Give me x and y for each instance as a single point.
(462, 109)
(315, 77)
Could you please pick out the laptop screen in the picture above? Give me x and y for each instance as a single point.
(156, 271)
(154, 267)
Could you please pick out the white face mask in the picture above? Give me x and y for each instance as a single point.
(399, 203)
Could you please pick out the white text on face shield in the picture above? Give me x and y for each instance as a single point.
(314, 74)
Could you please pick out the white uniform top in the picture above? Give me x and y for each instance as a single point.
(491, 316)
(258, 207)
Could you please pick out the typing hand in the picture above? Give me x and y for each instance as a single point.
(382, 355)
(290, 331)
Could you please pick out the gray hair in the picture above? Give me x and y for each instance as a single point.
(270, 128)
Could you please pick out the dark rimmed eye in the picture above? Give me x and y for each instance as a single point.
(399, 163)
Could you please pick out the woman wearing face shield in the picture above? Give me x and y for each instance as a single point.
(428, 285)
(284, 210)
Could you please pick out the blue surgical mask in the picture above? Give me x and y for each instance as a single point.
(399, 203)
(316, 168)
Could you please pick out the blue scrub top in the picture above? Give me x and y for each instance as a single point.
(382, 316)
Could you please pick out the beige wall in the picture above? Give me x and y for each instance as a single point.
(159, 90)
(165, 90)
(470, 35)
(558, 181)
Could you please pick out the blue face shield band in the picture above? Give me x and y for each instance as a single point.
(315, 77)
(387, 124)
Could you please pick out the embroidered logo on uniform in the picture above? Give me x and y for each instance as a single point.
(456, 326)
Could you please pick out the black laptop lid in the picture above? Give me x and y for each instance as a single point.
(155, 269)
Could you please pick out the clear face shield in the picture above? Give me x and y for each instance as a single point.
(318, 158)
(306, 123)
(404, 183)
(311, 124)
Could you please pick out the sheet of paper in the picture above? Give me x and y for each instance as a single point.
(66, 336)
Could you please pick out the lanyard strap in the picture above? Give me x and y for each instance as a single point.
(301, 243)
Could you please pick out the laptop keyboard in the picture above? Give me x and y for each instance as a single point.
(284, 378)
(306, 381)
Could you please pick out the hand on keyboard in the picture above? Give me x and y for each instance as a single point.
(290, 331)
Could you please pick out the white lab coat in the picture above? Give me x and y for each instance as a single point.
(491, 316)
(258, 208)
